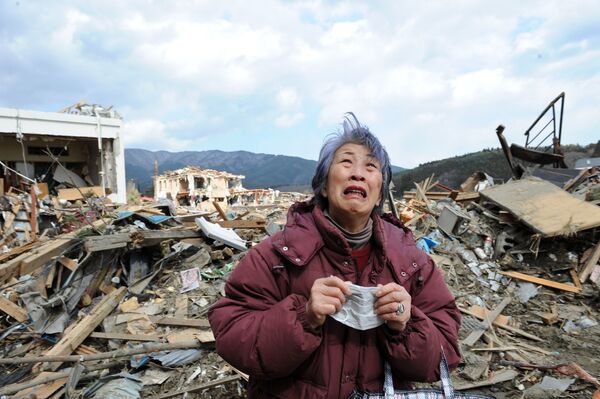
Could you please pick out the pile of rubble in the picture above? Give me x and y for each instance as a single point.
(110, 302)
(118, 306)
(522, 259)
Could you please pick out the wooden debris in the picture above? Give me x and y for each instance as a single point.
(505, 327)
(13, 310)
(200, 387)
(552, 316)
(46, 389)
(243, 224)
(495, 378)
(125, 337)
(541, 281)
(589, 266)
(476, 334)
(190, 334)
(181, 306)
(222, 213)
(74, 194)
(182, 322)
(82, 330)
(482, 313)
(143, 348)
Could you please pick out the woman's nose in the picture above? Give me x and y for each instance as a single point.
(357, 174)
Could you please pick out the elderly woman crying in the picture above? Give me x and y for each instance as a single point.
(316, 310)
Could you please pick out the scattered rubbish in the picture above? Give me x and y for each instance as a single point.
(190, 279)
(526, 291)
(550, 387)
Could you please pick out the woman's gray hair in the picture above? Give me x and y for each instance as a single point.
(355, 133)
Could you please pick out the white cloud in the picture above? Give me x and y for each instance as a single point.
(151, 134)
(289, 120)
(433, 79)
(483, 86)
(288, 98)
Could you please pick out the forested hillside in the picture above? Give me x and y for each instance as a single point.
(453, 171)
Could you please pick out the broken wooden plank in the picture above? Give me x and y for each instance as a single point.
(47, 389)
(149, 238)
(490, 317)
(505, 327)
(176, 321)
(125, 352)
(589, 266)
(496, 378)
(69, 342)
(69, 263)
(125, 337)
(13, 310)
(575, 278)
(19, 250)
(243, 224)
(483, 312)
(541, 281)
(181, 306)
(220, 210)
(50, 276)
(29, 261)
(74, 194)
(106, 242)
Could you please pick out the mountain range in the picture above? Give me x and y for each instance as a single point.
(280, 172)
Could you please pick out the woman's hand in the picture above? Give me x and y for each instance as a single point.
(327, 296)
(393, 305)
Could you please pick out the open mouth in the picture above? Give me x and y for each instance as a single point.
(356, 190)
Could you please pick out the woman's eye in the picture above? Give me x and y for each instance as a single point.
(345, 161)
(372, 165)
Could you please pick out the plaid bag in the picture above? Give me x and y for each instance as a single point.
(447, 391)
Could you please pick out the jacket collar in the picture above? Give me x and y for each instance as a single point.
(307, 231)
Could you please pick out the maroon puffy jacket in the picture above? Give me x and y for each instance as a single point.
(261, 328)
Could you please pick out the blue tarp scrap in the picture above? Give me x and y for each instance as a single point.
(426, 243)
(168, 358)
(154, 219)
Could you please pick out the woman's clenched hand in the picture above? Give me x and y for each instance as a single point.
(327, 295)
(393, 305)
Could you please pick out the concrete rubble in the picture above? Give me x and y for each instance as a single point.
(110, 301)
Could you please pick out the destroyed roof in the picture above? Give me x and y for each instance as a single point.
(83, 108)
(544, 207)
(199, 171)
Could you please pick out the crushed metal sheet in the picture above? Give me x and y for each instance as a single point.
(216, 232)
(178, 357)
(118, 386)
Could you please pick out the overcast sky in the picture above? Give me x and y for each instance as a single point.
(431, 79)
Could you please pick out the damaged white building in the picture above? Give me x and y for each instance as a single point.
(88, 146)
(197, 187)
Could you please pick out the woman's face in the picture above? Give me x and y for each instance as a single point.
(353, 186)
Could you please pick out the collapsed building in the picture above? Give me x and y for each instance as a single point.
(197, 187)
(80, 147)
(202, 188)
